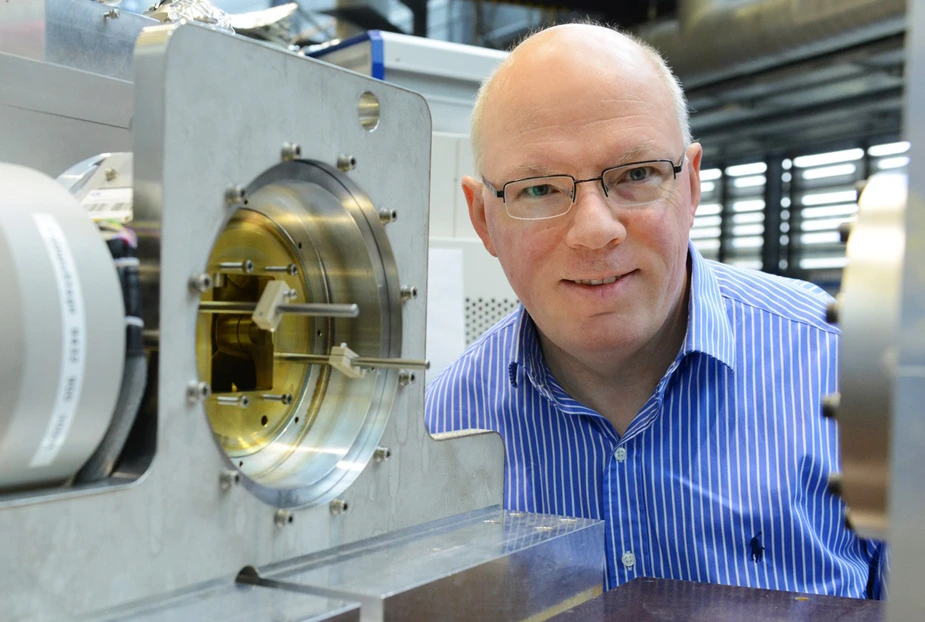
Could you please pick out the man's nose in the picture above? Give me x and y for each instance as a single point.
(595, 222)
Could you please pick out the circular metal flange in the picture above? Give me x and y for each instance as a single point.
(308, 448)
(868, 314)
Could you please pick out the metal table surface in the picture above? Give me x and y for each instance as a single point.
(665, 599)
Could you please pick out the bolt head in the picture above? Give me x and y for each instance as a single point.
(346, 163)
(236, 195)
(197, 391)
(201, 283)
(291, 151)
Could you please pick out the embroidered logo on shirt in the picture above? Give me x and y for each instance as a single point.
(757, 550)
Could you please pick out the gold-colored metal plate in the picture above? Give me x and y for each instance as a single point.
(234, 355)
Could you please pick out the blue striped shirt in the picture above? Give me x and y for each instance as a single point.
(720, 478)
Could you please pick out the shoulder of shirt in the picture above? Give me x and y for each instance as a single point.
(791, 299)
(495, 342)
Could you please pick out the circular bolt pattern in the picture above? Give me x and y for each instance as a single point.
(197, 391)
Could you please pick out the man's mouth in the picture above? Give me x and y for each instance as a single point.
(609, 279)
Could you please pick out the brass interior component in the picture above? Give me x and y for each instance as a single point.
(235, 355)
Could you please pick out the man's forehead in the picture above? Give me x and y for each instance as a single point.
(548, 164)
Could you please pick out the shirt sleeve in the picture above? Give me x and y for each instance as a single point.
(877, 584)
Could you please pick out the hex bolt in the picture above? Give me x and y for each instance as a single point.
(291, 151)
(409, 292)
(831, 313)
(112, 14)
(197, 391)
(246, 266)
(233, 400)
(844, 231)
(110, 174)
(830, 404)
(382, 454)
(388, 215)
(200, 283)
(227, 479)
(236, 195)
(339, 506)
(283, 518)
(835, 484)
(406, 377)
(285, 398)
(346, 162)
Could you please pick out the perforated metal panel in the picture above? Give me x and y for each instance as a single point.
(483, 313)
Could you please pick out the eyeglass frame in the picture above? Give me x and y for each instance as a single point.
(675, 169)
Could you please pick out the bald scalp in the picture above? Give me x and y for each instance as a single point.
(611, 50)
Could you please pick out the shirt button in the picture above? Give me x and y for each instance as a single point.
(629, 560)
(620, 454)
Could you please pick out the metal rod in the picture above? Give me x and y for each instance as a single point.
(230, 400)
(290, 269)
(311, 309)
(285, 398)
(320, 359)
(246, 266)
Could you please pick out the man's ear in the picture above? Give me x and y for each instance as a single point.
(693, 155)
(472, 188)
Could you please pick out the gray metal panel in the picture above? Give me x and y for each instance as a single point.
(490, 564)
(213, 110)
(85, 35)
(239, 603)
(54, 116)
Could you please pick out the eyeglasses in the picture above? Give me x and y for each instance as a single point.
(548, 196)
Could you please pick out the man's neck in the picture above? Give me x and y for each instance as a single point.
(615, 384)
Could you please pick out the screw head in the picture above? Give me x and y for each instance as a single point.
(406, 377)
(382, 454)
(346, 162)
(291, 151)
(409, 292)
(236, 195)
(228, 478)
(201, 283)
(388, 215)
(110, 174)
(338, 506)
(283, 518)
(830, 404)
(197, 391)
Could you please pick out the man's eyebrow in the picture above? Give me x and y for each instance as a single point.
(635, 154)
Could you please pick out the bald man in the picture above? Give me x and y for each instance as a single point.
(673, 397)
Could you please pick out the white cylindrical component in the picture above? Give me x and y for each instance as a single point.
(62, 331)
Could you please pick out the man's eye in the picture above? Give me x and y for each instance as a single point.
(540, 190)
(640, 173)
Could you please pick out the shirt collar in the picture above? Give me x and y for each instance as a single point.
(708, 329)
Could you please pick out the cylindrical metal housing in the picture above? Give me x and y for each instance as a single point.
(62, 331)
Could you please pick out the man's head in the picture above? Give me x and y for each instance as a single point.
(575, 100)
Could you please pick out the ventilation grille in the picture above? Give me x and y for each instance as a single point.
(483, 313)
